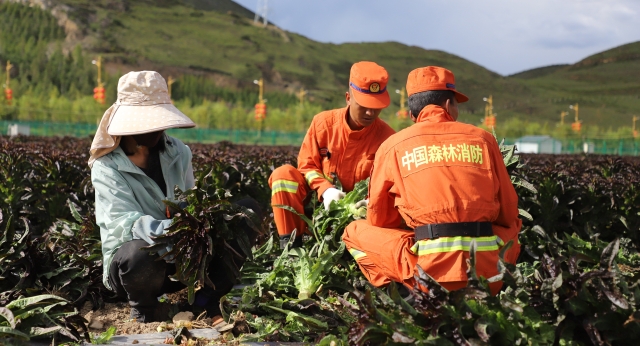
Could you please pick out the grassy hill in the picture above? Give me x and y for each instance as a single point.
(181, 37)
(606, 86)
(538, 72)
(214, 49)
(230, 49)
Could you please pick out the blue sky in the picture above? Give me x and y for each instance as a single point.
(505, 36)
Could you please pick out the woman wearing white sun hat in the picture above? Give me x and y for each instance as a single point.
(134, 167)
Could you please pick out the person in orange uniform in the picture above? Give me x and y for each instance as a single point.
(436, 186)
(340, 144)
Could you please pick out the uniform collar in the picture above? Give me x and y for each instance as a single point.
(355, 134)
(433, 114)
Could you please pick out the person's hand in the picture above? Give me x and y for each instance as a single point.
(331, 194)
(171, 212)
(363, 203)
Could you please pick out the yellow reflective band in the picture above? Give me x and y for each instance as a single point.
(450, 244)
(499, 241)
(357, 254)
(284, 186)
(312, 175)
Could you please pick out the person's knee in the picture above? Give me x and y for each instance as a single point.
(135, 263)
(287, 174)
(134, 255)
(350, 231)
(134, 270)
(283, 172)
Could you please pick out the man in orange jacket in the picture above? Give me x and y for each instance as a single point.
(340, 144)
(435, 187)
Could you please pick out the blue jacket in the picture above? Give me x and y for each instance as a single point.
(129, 203)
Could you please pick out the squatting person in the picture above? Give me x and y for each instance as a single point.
(435, 187)
(340, 144)
(134, 167)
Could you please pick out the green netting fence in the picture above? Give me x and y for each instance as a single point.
(613, 146)
(50, 129)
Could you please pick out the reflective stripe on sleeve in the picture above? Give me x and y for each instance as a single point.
(312, 175)
(450, 244)
(284, 186)
(357, 254)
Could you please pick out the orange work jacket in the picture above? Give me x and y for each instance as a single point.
(330, 146)
(443, 171)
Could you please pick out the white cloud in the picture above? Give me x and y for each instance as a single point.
(506, 36)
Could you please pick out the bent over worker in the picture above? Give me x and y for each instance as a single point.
(435, 187)
(135, 166)
(340, 144)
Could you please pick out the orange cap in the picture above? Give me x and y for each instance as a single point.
(368, 83)
(433, 78)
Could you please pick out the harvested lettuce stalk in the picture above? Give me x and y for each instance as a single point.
(310, 271)
(327, 226)
(357, 212)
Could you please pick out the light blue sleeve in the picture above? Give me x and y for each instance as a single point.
(189, 179)
(147, 227)
(118, 214)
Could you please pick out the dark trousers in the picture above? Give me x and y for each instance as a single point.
(140, 278)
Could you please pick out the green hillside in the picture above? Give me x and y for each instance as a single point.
(538, 72)
(605, 85)
(228, 48)
(215, 52)
(237, 52)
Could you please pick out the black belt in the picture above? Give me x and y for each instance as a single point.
(456, 229)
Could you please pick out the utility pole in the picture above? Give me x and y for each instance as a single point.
(402, 112)
(9, 66)
(98, 64)
(98, 92)
(261, 106)
(562, 115)
(301, 94)
(8, 93)
(170, 81)
(261, 11)
(575, 108)
(489, 116)
(260, 83)
(576, 126)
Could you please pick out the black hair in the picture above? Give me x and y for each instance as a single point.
(433, 97)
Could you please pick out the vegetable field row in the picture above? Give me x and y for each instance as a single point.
(576, 282)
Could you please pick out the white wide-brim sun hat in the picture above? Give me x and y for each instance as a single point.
(135, 120)
(143, 106)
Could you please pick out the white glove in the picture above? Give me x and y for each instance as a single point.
(363, 203)
(331, 194)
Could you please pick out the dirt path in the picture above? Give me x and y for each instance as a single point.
(117, 314)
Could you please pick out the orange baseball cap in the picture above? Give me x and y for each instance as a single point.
(433, 78)
(368, 83)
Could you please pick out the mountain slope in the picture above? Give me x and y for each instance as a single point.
(538, 72)
(237, 52)
(222, 6)
(605, 85)
(216, 42)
